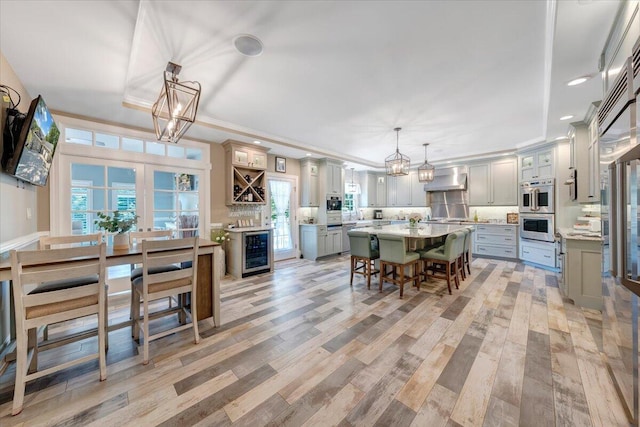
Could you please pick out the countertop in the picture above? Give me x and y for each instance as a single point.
(422, 231)
(243, 229)
(571, 234)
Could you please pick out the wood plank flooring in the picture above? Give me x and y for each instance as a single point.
(300, 347)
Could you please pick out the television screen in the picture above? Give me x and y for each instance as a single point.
(34, 147)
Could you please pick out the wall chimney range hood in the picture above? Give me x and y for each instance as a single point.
(448, 179)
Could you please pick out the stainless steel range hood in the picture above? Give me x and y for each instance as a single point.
(448, 179)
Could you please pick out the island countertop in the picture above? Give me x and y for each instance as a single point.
(423, 231)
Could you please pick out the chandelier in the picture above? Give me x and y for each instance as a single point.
(426, 171)
(397, 164)
(176, 107)
(351, 188)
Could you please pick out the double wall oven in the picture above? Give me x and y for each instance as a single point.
(537, 196)
(539, 227)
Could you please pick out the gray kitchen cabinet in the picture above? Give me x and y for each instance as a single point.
(593, 187)
(494, 183)
(418, 195)
(399, 190)
(317, 241)
(496, 240)
(331, 177)
(373, 189)
(309, 183)
(537, 164)
(582, 273)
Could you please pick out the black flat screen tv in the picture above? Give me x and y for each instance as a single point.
(32, 143)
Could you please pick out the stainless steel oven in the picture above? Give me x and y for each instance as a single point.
(537, 227)
(537, 196)
(334, 204)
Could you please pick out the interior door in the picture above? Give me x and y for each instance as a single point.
(282, 214)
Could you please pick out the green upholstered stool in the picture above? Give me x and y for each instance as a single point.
(394, 254)
(363, 255)
(442, 261)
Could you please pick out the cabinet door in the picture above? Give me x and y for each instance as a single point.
(392, 182)
(594, 172)
(418, 195)
(336, 184)
(479, 185)
(258, 160)
(381, 191)
(504, 182)
(526, 167)
(336, 242)
(240, 157)
(544, 164)
(403, 190)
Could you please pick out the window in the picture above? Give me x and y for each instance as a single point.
(349, 204)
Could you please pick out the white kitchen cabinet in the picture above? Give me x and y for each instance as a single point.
(247, 156)
(593, 151)
(333, 242)
(495, 240)
(331, 177)
(373, 189)
(582, 272)
(494, 183)
(309, 183)
(537, 164)
(418, 195)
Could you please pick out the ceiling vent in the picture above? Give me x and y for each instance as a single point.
(618, 97)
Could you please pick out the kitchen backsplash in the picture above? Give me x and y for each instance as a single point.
(486, 213)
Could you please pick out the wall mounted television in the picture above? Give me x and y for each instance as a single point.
(29, 143)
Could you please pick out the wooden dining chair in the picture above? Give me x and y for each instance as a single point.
(58, 242)
(157, 254)
(363, 256)
(394, 254)
(51, 286)
(136, 238)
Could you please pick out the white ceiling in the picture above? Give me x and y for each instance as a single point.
(335, 78)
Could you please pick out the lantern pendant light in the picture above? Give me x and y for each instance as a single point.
(426, 171)
(397, 164)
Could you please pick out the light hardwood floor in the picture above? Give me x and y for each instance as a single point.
(302, 347)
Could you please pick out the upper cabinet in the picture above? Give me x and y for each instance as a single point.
(331, 177)
(494, 183)
(373, 189)
(245, 171)
(309, 183)
(593, 159)
(536, 164)
(405, 191)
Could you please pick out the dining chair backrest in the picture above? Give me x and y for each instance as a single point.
(157, 254)
(451, 246)
(139, 236)
(467, 241)
(460, 241)
(392, 248)
(53, 242)
(360, 242)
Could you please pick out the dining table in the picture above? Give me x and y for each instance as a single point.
(208, 287)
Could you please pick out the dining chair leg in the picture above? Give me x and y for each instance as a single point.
(401, 280)
(102, 341)
(466, 256)
(449, 277)
(145, 333)
(456, 278)
(21, 372)
(135, 310)
(416, 274)
(383, 271)
(368, 271)
(352, 268)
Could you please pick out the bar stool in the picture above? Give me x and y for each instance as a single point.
(461, 251)
(363, 254)
(444, 260)
(467, 250)
(62, 293)
(393, 253)
(150, 287)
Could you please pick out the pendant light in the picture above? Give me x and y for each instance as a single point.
(351, 188)
(176, 107)
(426, 171)
(397, 164)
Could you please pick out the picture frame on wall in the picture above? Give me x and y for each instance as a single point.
(281, 164)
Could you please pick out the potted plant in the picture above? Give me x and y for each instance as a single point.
(120, 224)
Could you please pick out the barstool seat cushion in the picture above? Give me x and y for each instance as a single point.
(161, 286)
(58, 285)
(137, 272)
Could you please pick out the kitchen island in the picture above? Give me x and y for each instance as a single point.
(421, 231)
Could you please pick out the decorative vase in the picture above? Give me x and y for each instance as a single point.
(121, 241)
(413, 224)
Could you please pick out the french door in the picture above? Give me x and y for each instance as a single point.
(282, 209)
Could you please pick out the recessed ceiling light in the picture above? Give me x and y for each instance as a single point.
(248, 45)
(257, 142)
(308, 154)
(578, 80)
(566, 117)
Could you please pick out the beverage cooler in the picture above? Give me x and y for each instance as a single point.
(256, 252)
(620, 185)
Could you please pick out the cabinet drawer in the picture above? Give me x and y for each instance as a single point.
(499, 251)
(496, 239)
(543, 256)
(496, 229)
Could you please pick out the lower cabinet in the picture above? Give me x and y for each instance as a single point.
(582, 273)
(495, 240)
(317, 241)
(543, 253)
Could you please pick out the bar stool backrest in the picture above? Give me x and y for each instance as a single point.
(392, 248)
(58, 242)
(360, 242)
